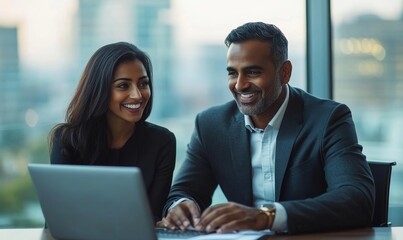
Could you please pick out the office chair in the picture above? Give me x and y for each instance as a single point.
(381, 171)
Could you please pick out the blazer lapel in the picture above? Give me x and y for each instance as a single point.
(240, 157)
(289, 130)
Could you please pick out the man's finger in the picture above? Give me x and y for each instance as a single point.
(194, 212)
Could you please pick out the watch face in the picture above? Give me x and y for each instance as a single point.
(270, 210)
(268, 206)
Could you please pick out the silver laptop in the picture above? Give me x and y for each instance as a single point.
(93, 202)
(99, 202)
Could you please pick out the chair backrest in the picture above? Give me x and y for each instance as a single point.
(381, 171)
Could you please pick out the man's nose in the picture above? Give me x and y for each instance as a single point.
(241, 83)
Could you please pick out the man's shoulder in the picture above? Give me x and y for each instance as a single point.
(312, 100)
(316, 108)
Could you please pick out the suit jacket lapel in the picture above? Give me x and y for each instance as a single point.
(240, 157)
(289, 130)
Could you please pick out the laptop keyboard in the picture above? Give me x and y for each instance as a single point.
(166, 233)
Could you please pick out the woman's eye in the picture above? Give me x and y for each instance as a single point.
(144, 84)
(123, 85)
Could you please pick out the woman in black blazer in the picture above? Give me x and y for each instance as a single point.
(106, 121)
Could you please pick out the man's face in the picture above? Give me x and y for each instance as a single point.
(252, 77)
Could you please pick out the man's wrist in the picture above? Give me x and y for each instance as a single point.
(269, 209)
(177, 202)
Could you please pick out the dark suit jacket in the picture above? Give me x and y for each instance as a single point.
(321, 176)
(152, 148)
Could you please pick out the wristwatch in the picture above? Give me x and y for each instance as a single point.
(270, 210)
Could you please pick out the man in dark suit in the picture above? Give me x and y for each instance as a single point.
(285, 160)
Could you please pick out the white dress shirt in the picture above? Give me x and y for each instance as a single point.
(263, 155)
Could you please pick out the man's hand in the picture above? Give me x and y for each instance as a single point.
(184, 215)
(231, 216)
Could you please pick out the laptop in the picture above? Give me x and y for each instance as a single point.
(99, 202)
(93, 202)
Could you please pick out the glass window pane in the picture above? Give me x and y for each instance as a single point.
(368, 76)
(43, 52)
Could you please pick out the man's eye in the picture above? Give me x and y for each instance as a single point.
(253, 72)
(232, 74)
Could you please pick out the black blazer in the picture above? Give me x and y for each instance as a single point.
(321, 176)
(152, 148)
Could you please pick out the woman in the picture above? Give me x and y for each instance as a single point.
(106, 121)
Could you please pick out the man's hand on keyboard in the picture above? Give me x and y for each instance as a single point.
(183, 216)
(228, 217)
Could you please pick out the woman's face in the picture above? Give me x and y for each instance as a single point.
(130, 92)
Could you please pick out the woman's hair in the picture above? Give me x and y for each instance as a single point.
(263, 32)
(83, 137)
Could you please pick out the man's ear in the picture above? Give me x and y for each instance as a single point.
(285, 72)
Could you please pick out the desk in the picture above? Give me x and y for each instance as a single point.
(392, 233)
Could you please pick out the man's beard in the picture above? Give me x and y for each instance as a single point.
(260, 105)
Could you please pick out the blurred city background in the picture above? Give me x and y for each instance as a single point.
(45, 44)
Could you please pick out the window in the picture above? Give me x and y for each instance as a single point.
(45, 44)
(368, 76)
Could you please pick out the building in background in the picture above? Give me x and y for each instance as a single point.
(11, 106)
(368, 71)
(368, 76)
(143, 23)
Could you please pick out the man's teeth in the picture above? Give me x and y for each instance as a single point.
(247, 95)
(132, 106)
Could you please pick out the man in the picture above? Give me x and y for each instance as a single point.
(286, 160)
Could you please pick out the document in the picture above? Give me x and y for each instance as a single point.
(242, 235)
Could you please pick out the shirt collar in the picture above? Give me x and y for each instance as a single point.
(276, 120)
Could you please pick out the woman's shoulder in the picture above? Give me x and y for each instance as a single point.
(56, 131)
(158, 131)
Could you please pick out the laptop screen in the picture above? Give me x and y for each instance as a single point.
(93, 202)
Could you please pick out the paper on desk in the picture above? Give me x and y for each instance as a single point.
(242, 235)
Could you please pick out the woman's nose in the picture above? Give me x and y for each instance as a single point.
(135, 93)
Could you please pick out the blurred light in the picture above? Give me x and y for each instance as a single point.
(362, 46)
(31, 117)
(370, 68)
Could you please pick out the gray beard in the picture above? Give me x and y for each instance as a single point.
(252, 109)
(257, 108)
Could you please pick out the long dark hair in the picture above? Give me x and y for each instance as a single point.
(83, 137)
